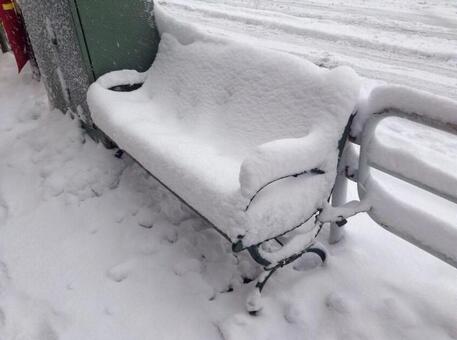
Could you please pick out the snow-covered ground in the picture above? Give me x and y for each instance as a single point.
(91, 247)
(409, 42)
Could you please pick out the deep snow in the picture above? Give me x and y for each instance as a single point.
(93, 248)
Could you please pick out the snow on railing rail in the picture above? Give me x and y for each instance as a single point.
(424, 173)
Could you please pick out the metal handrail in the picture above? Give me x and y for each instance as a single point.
(363, 177)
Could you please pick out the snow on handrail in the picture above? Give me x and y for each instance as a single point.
(416, 224)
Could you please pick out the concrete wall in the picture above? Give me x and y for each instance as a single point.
(56, 46)
(59, 56)
(66, 64)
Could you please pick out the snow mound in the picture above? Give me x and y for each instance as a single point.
(218, 121)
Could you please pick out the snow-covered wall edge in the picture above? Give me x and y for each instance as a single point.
(62, 57)
(57, 50)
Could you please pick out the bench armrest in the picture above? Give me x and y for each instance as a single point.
(120, 78)
(285, 157)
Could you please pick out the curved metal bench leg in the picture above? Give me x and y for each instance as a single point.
(319, 251)
(254, 300)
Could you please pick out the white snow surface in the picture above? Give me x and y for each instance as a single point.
(407, 42)
(91, 247)
(217, 120)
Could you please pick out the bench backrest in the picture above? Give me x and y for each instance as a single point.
(250, 95)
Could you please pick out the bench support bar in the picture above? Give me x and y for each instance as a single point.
(254, 301)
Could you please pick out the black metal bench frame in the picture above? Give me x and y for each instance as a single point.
(253, 250)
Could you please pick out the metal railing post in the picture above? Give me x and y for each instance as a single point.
(338, 198)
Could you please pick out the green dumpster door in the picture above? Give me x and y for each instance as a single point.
(118, 34)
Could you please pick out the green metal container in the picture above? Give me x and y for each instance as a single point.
(116, 34)
(77, 41)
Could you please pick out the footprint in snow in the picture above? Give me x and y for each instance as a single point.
(170, 235)
(4, 275)
(24, 318)
(186, 266)
(148, 248)
(337, 303)
(146, 218)
(3, 211)
(293, 315)
(119, 272)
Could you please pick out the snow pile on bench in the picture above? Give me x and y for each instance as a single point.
(219, 122)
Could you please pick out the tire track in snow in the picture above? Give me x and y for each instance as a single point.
(427, 25)
(352, 35)
(425, 70)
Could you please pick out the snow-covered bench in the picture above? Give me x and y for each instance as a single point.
(250, 138)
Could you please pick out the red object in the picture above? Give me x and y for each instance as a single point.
(15, 31)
